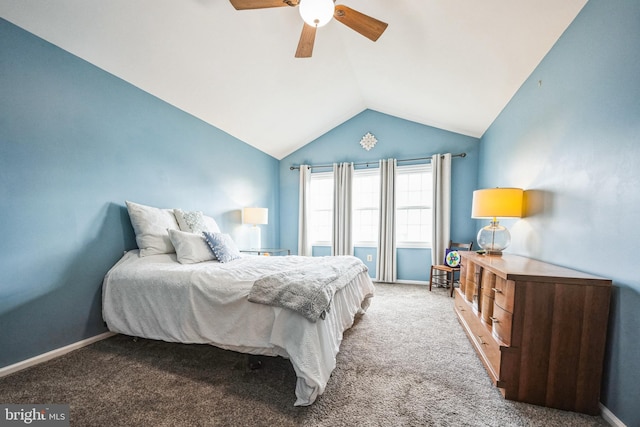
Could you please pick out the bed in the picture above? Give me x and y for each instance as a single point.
(158, 297)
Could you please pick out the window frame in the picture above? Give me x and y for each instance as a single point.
(321, 176)
(423, 167)
(368, 172)
(400, 244)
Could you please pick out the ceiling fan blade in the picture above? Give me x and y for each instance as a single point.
(305, 45)
(259, 4)
(369, 27)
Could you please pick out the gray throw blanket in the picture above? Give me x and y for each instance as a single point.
(309, 288)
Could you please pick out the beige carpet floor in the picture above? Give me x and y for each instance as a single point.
(406, 362)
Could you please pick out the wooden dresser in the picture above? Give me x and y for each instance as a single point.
(539, 329)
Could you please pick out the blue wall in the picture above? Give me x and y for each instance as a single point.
(573, 140)
(75, 143)
(399, 139)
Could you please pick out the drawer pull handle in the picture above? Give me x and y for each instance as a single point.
(460, 308)
(494, 319)
(481, 340)
(496, 290)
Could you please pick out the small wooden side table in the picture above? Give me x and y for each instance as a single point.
(266, 251)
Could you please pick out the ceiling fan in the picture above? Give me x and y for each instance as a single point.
(317, 13)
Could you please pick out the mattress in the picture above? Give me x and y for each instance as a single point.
(156, 297)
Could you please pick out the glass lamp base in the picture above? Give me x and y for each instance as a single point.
(494, 238)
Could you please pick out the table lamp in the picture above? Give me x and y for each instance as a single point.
(496, 203)
(255, 217)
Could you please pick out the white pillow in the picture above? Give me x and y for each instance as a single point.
(190, 247)
(211, 225)
(150, 225)
(195, 222)
(190, 221)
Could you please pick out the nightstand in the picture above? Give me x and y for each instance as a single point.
(266, 251)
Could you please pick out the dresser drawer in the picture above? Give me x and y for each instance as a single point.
(504, 291)
(502, 321)
(472, 279)
(488, 282)
(486, 346)
(486, 311)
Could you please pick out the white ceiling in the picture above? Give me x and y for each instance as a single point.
(449, 64)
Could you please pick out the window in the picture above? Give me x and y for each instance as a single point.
(413, 205)
(321, 207)
(366, 196)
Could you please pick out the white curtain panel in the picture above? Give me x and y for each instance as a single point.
(386, 270)
(441, 206)
(304, 243)
(342, 241)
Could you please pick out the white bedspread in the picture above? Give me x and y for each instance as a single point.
(158, 298)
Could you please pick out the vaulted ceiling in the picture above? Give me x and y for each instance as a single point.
(449, 64)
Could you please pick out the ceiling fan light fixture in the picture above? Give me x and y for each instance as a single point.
(316, 12)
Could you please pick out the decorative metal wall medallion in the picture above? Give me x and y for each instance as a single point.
(368, 141)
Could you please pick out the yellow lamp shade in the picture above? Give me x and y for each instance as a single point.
(497, 203)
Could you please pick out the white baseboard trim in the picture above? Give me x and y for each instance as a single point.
(405, 282)
(53, 354)
(609, 417)
(413, 282)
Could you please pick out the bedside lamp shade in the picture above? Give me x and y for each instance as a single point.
(496, 203)
(255, 216)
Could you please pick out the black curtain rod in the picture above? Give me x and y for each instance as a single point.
(375, 162)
